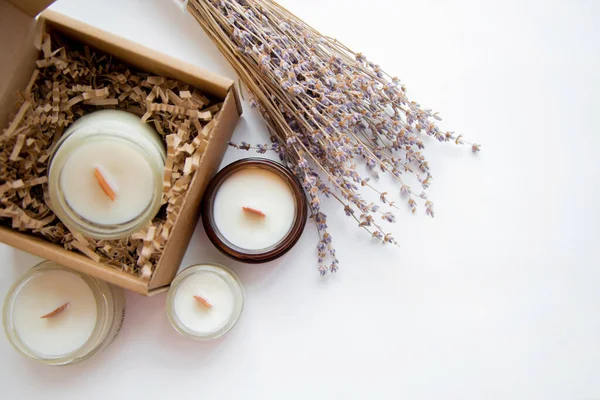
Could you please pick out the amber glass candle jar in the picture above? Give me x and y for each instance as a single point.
(254, 210)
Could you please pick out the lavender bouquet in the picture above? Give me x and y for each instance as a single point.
(326, 108)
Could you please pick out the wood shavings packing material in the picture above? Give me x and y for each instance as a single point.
(69, 82)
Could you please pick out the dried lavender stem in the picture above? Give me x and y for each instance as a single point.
(324, 106)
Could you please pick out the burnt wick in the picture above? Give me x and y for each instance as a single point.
(56, 311)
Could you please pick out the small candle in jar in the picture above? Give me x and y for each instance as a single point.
(254, 210)
(205, 301)
(58, 316)
(105, 174)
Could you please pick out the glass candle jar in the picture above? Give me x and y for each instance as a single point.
(105, 175)
(58, 316)
(205, 301)
(254, 210)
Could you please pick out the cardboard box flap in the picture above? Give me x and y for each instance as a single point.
(17, 55)
(49, 251)
(31, 7)
(137, 55)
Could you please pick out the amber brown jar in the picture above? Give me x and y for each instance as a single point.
(254, 210)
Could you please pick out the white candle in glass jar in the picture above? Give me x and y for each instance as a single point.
(64, 332)
(205, 301)
(254, 208)
(126, 170)
(59, 316)
(105, 174)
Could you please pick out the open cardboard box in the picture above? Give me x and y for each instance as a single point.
(19, 32)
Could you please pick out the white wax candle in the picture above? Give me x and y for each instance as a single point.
(194, 314)
(261, 190)
(126, 170)
(60, 334)
(108, 169)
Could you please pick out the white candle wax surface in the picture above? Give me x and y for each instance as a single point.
(127, 171)
(196, 316)
(60, 334)
(130, 157)
(261, 190)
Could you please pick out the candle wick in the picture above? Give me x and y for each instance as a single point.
(108, 190)
(254, 211)
(57, 311)
(203, 301)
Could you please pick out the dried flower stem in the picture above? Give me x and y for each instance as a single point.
(325, 106)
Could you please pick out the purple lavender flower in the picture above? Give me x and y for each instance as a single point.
(429, 208)
(245, 146)
(382, 197)
(389, 217)
(327, 108)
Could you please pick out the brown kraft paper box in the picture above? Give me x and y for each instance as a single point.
(19, 31)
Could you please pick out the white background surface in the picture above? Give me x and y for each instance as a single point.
(495, 298)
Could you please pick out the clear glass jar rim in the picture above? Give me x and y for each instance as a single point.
(7, 316)
(75, 221)
(222, 271)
